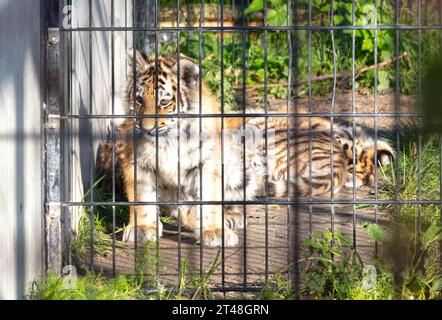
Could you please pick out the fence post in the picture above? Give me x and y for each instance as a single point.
(52, 137)
(145, 16)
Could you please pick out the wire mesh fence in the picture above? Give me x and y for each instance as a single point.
(156, 146)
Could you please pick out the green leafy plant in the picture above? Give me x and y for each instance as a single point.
(333, 266)
(368, 43)
(376, 232)
(240, 54)
(419, 272)
(276, 11)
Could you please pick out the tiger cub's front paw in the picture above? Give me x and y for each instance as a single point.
(144, 233)
(213, 237)
(349, 181)
(349, 184)
(234, 219)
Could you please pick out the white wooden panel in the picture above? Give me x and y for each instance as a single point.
(20, 187)
(92, 58)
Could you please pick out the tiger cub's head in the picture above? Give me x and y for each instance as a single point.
(160, 87)
(366, 151)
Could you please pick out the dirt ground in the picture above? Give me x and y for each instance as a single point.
(386, 105)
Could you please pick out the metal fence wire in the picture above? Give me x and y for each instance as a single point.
(266, 61)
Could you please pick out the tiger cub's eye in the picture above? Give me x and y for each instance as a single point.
(165, 102)
(139, 99)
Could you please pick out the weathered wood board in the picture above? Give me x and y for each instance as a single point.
(21, 96)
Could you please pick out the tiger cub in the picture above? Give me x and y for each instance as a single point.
(159, 158)
(169, 155)
(320, 160)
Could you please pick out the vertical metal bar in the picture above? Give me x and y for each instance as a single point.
(157, 172)
(293, 208)
(52, 131)
(218, 24)
(290, 196)
(91, 141)
(145, 16)
(353, 109)
(134, 112)
(310, 109)
(266, 186)
(381, 11)
(222, 148)
(244, 175)
(113, 131)
(376, 111)
(244, 79)
(396, 258)
(200, 99)
(419, 100)
(233, 34)
(65, 124)
(332, 225)
(189, 11)
(178, 100)
(69, 138)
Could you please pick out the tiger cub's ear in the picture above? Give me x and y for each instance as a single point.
(141, 60)
(385, 153)
(189, 72)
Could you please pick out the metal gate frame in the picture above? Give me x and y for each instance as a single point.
(52, 133)
(57, 221)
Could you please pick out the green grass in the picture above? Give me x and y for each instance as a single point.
(96, 286)
(333, 270)
(413, 175)
(102, 224)
(408, 262)
(276, 289)
(142, 284)
(145, 286)
(330, 272)
(415, 230)
(89, 287)
(97, 224)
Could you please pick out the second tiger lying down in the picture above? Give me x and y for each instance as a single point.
(321, 159)
(160, 159)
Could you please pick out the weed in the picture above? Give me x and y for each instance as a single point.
(419, 168)
(95, 227)
(143, 284)
(276, 289)
(88, 287)
(333, 268)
